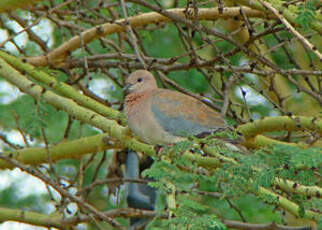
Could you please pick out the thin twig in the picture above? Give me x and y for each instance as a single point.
(290, 28)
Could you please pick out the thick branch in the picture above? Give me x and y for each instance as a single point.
(270, 124)
(229, 39)
(111, 127)
(58, 54)
(7, 5)
(65, 150)
(62, 88)
(34, 218)
(119, 132)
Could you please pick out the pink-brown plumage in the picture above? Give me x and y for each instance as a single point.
(162, 116)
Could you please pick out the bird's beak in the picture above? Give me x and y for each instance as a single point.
(127, 88)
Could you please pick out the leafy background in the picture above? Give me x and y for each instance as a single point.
(262, 96)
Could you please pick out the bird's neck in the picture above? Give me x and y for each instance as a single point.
(134, 98)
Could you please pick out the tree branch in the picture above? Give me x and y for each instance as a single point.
(290, 28)
(38, 219)
(8, 5)
(62, 88)
(65, 150)
(59, 54)
(270, 124)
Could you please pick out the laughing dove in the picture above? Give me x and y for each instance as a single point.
(162, 116)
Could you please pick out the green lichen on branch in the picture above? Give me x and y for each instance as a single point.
(62, 88)
(111, 127)
(211, 168)
(64, 150)
(279, 123)
(30, 217)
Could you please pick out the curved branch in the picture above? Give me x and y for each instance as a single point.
(119, 132)
(62, 88)
(111, 127)
(270, 124)
(58, 55)
(210, 31)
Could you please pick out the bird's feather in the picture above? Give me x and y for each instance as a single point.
(182, 115)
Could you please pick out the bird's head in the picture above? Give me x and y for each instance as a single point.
(140, 81)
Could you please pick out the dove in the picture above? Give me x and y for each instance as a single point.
(162, 116)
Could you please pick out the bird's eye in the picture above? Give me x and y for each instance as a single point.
(139, 79)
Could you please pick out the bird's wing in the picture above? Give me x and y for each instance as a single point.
(182, 115)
